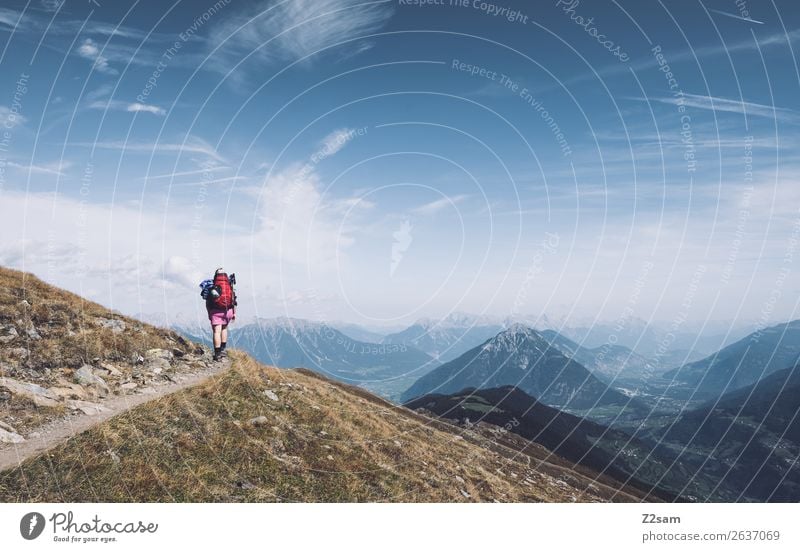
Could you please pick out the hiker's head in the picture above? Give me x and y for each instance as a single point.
(220, 270)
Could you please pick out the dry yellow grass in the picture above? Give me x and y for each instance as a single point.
(46, 333)
(65, 329)
(320, 441)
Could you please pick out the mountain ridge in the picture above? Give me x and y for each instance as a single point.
(742, 363)
(519, 356)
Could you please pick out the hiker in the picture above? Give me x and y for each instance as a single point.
(221, 306)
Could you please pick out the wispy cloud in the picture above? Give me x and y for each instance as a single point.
(56, 169)
(211, 181)
(12, 19)
(51, 5)
(437, 205)
(39, 21)
(195, 145)
(677, 56)
(287, 31)
(104, 44)
(134, 107)
(713, 103)
(185, 173)
(336, 140)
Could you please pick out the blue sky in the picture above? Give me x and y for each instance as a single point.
(382, 161)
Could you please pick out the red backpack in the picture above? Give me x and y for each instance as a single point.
(226, 299)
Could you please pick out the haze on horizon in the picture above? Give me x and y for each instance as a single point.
(379, 163)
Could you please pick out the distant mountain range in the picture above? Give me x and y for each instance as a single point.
(448, 338)
(290, 343)
(357, 332)
(523, 358)
(613, 364)
(742, 363)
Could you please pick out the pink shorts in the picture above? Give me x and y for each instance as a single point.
(221, 317)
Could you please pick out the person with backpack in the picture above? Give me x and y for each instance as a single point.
(221, 306)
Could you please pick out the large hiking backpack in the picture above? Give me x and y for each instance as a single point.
(226, 299)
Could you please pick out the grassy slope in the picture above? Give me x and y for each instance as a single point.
(322, 441)
(56, 333)
(70, 327)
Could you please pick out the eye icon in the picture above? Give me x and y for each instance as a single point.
(31, 525)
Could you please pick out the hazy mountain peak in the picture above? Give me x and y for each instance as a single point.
(458, 319)
(515, 334)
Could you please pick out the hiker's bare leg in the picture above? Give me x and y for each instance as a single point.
(224, 334)
(218, 335)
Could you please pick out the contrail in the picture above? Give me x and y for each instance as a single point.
(739, 17)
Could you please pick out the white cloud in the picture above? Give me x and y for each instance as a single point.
(193, 145)
(335, 141)
(31, 21)
(10, 118)
(223, 180)
(437, 205)
(733, 106)
(13, 20)
(56, 169)
(91, 51)
(298, 224)
(134, 107)
(185, 173)
(688, 54)
(181, 271)
(51, 5)
(38, 252)
(290, 30)
(142, 258)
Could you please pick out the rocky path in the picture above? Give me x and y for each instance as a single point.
(56, 432)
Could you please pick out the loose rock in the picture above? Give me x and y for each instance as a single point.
(86, 377)
(258, 421)
(116, 326)
(8, 334)
(157, 353)
(7, 427)
(270, 394)
(39, 395)
(111, 370)
(10, 437)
